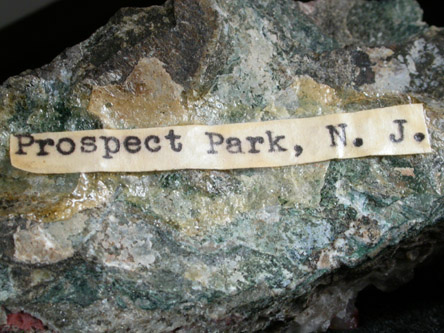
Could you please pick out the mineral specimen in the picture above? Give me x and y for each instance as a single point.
(246, 250)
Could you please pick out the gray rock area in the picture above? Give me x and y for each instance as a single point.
(278, 249)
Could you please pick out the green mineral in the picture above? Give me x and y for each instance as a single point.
(282, 248)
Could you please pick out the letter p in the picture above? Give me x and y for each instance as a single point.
(216, 139)
(21, 143)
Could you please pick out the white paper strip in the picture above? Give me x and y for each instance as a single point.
(396, 130)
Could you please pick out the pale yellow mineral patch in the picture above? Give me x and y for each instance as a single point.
(91, 191)
(198, 273)
(148, 98)
(39, 276)
(315, 98)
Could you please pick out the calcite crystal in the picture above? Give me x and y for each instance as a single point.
(243, 250)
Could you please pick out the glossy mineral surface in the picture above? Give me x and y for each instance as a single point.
(246, 250)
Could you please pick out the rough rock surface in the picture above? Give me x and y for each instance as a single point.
(245, 250)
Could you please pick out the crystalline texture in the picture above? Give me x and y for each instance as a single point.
(240, 250)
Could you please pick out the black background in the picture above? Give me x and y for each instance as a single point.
(37, 39)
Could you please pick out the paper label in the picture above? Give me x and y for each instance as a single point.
(396, 130)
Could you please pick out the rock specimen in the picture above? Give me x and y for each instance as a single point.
(241, 250)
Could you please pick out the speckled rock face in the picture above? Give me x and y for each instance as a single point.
(245, 250)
